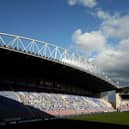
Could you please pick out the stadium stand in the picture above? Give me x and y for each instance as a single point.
(124, 106)
(60, 105)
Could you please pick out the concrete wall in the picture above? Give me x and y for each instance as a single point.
(118, 101)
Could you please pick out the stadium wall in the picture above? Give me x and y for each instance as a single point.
(118, 101)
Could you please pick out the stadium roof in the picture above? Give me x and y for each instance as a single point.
(123, 89)
(19, 65)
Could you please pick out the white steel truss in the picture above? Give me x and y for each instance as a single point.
(51, 52)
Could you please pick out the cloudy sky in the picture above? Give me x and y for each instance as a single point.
(98, 29)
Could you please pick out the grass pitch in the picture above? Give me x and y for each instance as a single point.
(121, 118)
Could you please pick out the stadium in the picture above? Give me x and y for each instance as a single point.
(44, 84)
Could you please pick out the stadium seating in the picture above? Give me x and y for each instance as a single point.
(124, 105)
(59, 104)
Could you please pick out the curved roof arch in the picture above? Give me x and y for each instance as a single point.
(51, 53)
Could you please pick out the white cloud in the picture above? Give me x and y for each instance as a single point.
(124, 45)
(115, 26)
(103, 15)
(112, 59)
(115, 61)
(108, 59)
(72, 2)
(93, 41)
(85, 3)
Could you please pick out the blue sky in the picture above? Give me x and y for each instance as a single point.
(51, 20)
(98, 28)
